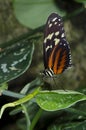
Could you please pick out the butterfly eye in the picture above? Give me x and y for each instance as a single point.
(56, 50)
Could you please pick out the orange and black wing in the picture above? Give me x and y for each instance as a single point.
(56, 49)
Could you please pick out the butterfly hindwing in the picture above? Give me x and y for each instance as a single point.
(55, 47)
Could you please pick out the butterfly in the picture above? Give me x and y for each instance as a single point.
(56, 49)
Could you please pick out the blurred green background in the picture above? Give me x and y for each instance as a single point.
(24, 20)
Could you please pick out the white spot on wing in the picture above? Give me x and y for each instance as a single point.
(50, 25)
(48, 37)
(64, 44)
(55, 23)
(59, 19)
(57, 33)
(56, 41)
(48, 47)
(54, 19)
(62, 35)
(70, 61)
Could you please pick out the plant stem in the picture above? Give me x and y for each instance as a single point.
(34, 121)
(20, 101)
(27, 98)
(12, 94)
(27, 116)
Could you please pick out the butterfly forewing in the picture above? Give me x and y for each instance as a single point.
(55, 47)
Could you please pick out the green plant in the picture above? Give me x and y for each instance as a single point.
(15, 58)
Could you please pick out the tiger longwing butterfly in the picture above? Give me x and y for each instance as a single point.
(56, 50)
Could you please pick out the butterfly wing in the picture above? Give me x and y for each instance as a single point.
(56, 49)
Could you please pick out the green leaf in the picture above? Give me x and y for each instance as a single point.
(70, 126)
(3, 87)
(81, 1)
(57, 100)
(76, 126)
(20, 101)
(34, 13)
(27, 87)
(15, 58)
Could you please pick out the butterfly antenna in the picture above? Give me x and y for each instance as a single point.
(63, 88)
(54, 82)
(56, 85)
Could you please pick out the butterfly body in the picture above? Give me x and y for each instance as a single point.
(56, 50)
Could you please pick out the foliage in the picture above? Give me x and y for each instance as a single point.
(28, 11)
(16, 57)
(81, 1)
